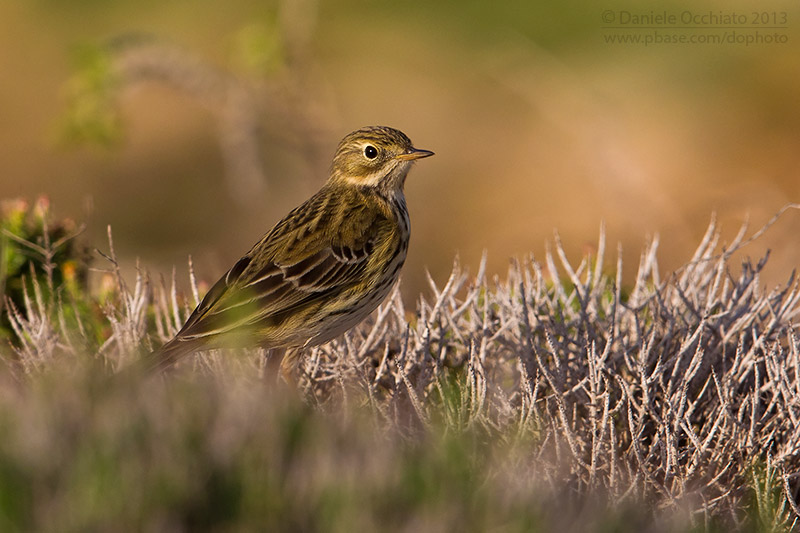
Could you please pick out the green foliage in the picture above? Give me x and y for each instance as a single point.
(92, 114)
(42, 260)
(259, 49)
(768, 510)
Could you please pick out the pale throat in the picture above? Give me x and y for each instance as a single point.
(389, 178)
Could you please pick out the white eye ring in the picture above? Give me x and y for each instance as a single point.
(370, 152)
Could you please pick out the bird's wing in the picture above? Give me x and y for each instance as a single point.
(318, 251)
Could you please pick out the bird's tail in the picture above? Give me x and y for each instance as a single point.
(164, 357)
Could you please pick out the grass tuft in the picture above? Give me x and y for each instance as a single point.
(550, 399)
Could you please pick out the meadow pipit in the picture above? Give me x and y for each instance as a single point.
(323, 268)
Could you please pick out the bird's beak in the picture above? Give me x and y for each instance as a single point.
(414, 153)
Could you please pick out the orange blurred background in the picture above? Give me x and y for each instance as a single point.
(537, 120)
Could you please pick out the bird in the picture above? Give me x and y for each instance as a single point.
(322, 269)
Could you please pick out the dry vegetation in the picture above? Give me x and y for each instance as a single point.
(551, 399)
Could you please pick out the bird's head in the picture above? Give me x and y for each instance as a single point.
(375, 156)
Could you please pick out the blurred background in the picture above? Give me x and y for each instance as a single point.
(192, 126)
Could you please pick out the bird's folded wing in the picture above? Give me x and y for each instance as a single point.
(288, 278)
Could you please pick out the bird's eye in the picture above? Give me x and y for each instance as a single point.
(370, 152)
